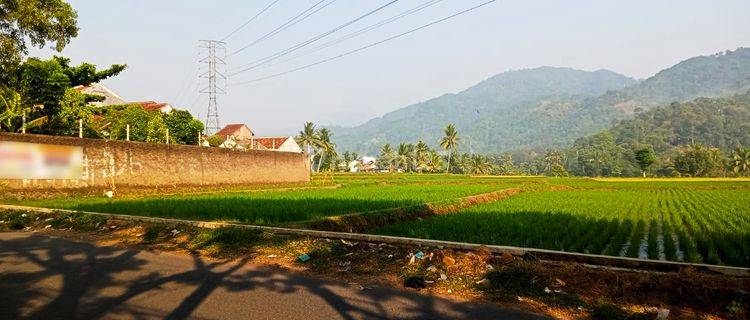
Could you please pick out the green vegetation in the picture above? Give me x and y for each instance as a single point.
(275, 207)
(679, 223)
(546, 107)
(687, 219)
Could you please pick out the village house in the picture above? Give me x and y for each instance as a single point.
(240, 136)
(283, 144)
(112, 99)
(237, 131)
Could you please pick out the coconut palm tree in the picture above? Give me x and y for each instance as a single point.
(386, 156)
(450, 142)
(309, 141)
(404, 156)
(421, 152)
(478, 164)
(434, 162)
(325, 145)
(741, 160)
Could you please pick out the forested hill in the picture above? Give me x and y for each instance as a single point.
(723, 123)
(484, 113)
(548, 107)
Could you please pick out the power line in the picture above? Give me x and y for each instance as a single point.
(309, 41)
(367, 46)
(294, 20)
(250, 20)
(359, 32)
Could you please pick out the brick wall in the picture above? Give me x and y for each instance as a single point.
(139, 164)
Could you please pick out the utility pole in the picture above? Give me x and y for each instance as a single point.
(213, 54)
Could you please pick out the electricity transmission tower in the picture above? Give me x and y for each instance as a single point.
(213, 53)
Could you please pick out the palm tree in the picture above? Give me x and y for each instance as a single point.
(450, 142)
(741, 160)
(434, 162)
(479, 164)
(326, 146)
(404, 156)
(421, 151)
(387, 156)
(309, 140)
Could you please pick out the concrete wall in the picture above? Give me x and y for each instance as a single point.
(138, 164)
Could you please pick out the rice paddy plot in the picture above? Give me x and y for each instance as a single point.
(678, 224)
(274, 207)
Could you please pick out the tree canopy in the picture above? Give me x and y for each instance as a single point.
(25, 23)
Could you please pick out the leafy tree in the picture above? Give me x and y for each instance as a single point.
(645, 158)
(215, 140)
(449, 142)
(156, 130)
(554, 164)
(73, 107)
(741, 161)
(183, 128)
(503, 164)
(47, 82)
(113, 122)
(697, 161)
(34, 22)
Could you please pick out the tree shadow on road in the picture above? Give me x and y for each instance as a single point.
(42, 277)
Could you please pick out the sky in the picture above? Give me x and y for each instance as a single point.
(158, 40)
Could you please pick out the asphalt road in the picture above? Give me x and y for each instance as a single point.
(43, 277)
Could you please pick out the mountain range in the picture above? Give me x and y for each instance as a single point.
(547, 106)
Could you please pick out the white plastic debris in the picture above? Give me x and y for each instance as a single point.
(175, 232)
(547, 290)
(48, 226)
(271, 256)
(489, 267)
(109, 194)
(662, 314)
(23, 215)
(483, 282)
(443, 276)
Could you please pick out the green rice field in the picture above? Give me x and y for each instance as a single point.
(692, 220)
(703, 225)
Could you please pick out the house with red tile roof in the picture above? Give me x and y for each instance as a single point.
(237, 131)
(111, 99)
(155, 106)
(283, 144)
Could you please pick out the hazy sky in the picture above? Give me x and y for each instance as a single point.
(158, 40)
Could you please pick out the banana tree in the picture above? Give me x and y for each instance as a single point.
(13, 113)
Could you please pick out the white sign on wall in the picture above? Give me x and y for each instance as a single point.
(20, 160)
